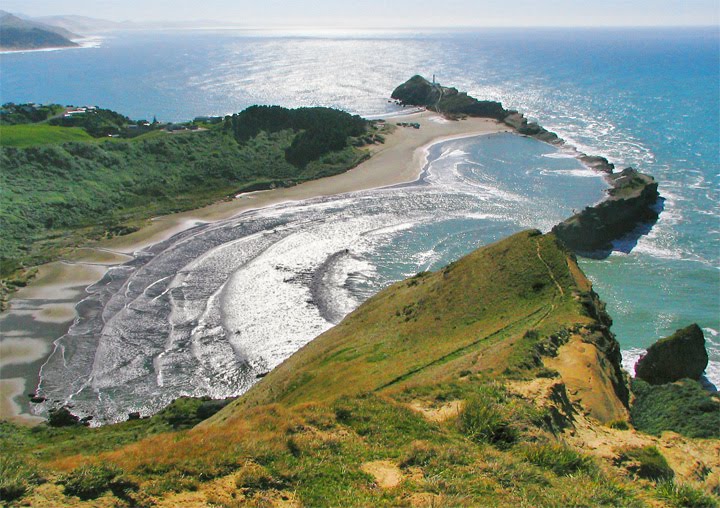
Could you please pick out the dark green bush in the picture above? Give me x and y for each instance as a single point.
(16, 477)
(321, 130)
(90, 482)
(646, 462)
(684, 407)
(558, 458)
(186, 412)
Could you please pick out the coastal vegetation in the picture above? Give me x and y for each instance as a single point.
(434, 392)
(494, 381)
(683, 407)
(56, 195)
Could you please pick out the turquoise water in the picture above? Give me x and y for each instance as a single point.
(641, 97)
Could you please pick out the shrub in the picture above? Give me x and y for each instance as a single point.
(483, 419)
(646, 462)
(684, 407)
(90, 482)
(683, 496)
(558, 458)
(16, 478)
(186, 412)
(618, 424)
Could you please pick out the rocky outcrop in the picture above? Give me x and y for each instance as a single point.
(518, 122)
(418, 91)
(632, 201)
(590, 363)
(679, 356)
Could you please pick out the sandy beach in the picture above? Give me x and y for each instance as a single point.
(51, 296)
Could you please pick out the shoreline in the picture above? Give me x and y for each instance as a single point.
(52, 295)
(92, 41)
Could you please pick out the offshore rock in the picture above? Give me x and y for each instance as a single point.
(632, 201)
(679, 356)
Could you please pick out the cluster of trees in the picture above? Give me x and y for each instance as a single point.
(320, 130)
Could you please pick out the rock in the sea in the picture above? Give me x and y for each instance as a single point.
(681, 355)
(631, 202)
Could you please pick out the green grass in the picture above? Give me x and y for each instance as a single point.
(90, 482)
(562, 460)
(26, 135)
(17, 476)
(683, 496)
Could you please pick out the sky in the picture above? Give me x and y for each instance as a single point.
(388, 13)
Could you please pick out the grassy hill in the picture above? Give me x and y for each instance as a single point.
(23, 136)
(435, 392)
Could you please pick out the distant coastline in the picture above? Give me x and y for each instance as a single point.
(94, 41)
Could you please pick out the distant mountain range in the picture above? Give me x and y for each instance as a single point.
(82, 24)
(19, 34)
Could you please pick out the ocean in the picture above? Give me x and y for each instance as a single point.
(252, 290)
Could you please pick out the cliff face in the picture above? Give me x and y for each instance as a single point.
(632, 201)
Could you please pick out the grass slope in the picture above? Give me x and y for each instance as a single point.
(432, 326)
(22, 136)
(405, 403)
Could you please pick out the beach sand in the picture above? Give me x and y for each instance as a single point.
(51, 295)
